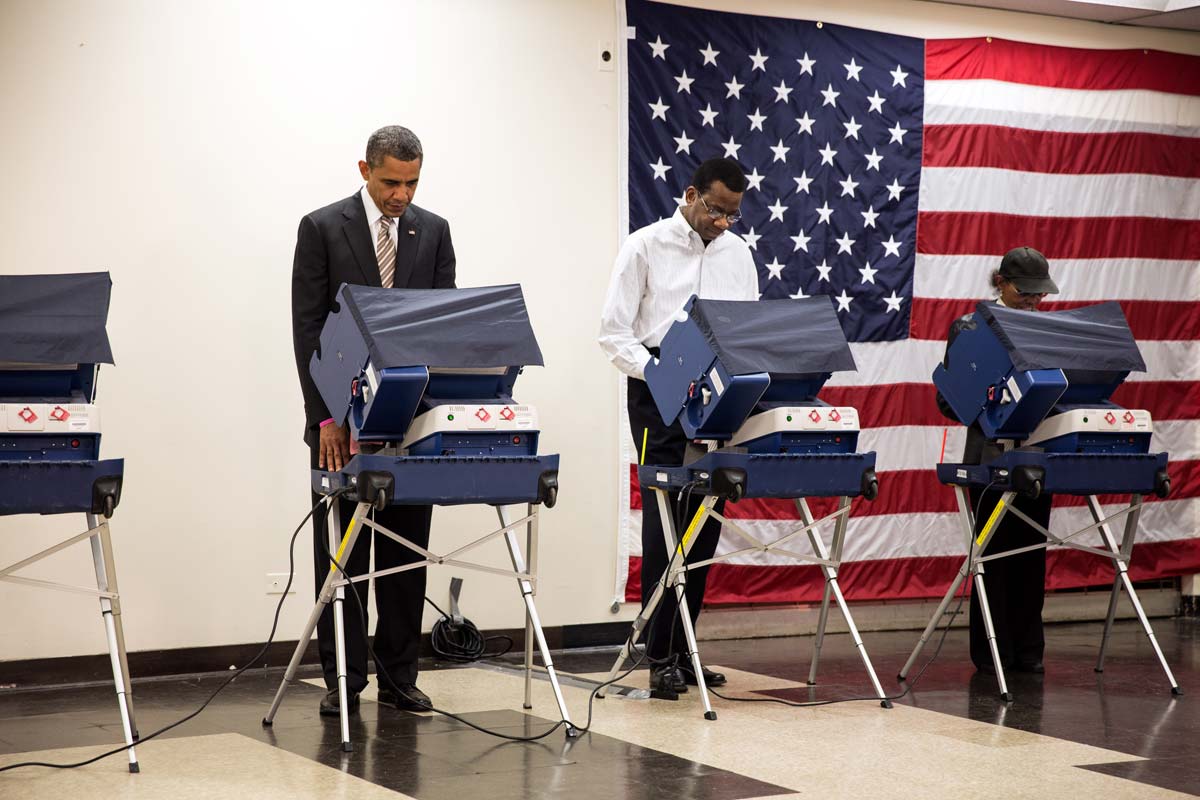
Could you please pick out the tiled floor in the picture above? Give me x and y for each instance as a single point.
(1070, 733)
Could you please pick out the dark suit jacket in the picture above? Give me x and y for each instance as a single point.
(334, 246)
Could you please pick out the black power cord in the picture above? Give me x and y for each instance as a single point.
(460, 641)
(254, 659)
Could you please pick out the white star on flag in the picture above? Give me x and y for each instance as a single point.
(897, 134)
(709, 115)
(798, 295)
(735, 88)
(780, 152)
(660, 169)
(710, 55)
(876, 101)
(760, 61)
(843, 301)
(756, 120)
(731, 147)
(844, 243)
(659, 109)
(891, 247)
(683, 143)
(898, 76)
(801, 242)
(893, 302)
(806, 64)
(874, 159)
(752, 239)
(868, 274)
(777, 210)
(848, 186)
(774, 269)
(685, 83)
(869, 217)
(803, 182)
(852, 71)
(805, 122)
(851, 129)
(830, 95)
(824, 269)
(894, 189)
(825, 212)
(781, 92)
(754, 180)
(827, 154)
(660, 48)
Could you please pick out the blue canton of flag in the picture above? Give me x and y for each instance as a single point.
(826, 123)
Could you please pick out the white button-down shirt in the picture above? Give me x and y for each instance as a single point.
(659, 267)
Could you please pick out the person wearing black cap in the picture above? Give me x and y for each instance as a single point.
(1015, 584)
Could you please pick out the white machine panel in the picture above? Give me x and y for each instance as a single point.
(800, 418)
(1092, 420)
(496, 417)
(49, 418)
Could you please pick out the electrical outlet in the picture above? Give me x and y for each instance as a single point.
(276, 581)
(606, 56)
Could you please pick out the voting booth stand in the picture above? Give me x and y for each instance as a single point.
(742, 380)
(54, 339)
(1038, 385)
(425, 378)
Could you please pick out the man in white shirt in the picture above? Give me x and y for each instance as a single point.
(658, 268)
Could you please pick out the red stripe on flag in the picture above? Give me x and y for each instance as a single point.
(889, 405)
(919, 578)
(1061, 67)
(985, 233)
(1058, 152)
(1163, 399)
(1152, 320)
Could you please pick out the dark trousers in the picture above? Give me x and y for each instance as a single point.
(665, 445)
(1015, 584)
(399, 598)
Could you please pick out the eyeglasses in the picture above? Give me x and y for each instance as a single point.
(715, 215)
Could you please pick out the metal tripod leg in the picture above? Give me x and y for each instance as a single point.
(1121, 563)
(986, 612)
(110, 611)
(527, 592)
(678, 554)
(1108, 620)
(332, 590)
(531, 549)
(831, 586)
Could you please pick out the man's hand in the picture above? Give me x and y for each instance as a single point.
(334, 447)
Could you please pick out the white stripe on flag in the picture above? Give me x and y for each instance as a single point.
(990, 102)
(1036, 194)
(1080, 279)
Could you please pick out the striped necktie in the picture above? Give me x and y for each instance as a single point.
(385, 253)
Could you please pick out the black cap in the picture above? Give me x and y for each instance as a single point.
(1028, 271)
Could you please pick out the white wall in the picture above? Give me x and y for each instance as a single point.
(177, 145)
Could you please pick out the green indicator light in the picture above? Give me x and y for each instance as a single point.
(450, 417)
(789, 418)
(1085, 419)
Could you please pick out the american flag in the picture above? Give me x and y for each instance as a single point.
(893, 173)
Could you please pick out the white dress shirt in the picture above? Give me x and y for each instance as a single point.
(374, 215)
(659, 267)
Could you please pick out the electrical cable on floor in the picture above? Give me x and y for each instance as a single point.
(458, 640)
(257, 656)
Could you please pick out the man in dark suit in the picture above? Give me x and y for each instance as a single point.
(375, 237)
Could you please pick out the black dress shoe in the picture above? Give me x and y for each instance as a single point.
(666, 682)
(409, 698)
(1034, 667)
(330, 706)
(710, 678)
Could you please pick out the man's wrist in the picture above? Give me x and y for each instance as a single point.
(326, 422)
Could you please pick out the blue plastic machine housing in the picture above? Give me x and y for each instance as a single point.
(726, 360)
(1008, 371)
(388, 356)
(53, 327)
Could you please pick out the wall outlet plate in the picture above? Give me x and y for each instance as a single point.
(276, 581)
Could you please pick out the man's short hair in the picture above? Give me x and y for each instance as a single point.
(398, 142)
(725, 170)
